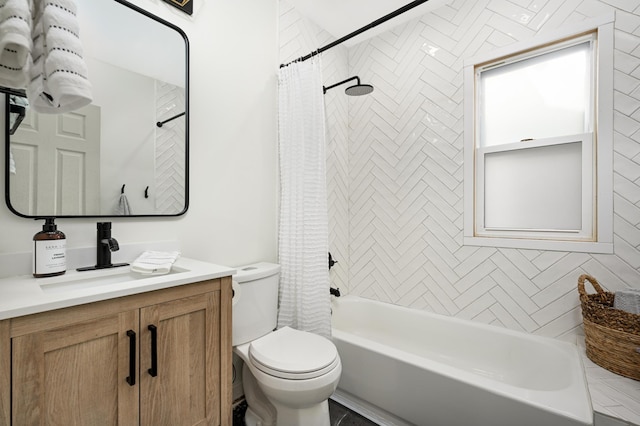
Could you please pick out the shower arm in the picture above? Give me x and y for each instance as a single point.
(324, 89)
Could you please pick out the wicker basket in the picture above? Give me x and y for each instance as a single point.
(612, 336)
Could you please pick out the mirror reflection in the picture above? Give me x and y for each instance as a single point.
(126, 153)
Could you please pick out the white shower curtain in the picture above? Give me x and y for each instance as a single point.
(303, 241)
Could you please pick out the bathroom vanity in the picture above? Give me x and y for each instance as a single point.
(110, 347)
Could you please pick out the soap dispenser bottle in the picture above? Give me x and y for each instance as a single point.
(49, 251)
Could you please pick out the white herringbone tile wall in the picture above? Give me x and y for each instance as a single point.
(170, 170)
(403, 172)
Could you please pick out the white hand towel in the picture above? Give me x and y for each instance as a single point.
(59, 76)
(15, 43)
(627, 300)
(123, 208)
(155, 262)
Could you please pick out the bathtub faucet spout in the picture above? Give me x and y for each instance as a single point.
(334, 291)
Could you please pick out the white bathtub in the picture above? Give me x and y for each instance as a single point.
(431, 370)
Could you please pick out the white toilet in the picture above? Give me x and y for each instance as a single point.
(288, 375)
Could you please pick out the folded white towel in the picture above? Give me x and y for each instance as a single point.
(59, 77)
(627, 300)
(155, 262)
(15, 43)
(123, 208)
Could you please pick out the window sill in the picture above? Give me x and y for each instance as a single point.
(554, 245)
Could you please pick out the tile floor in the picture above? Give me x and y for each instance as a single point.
(342, 416)
(339, 416)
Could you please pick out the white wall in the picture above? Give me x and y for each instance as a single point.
(138, 45)
(127, 149)
(233, 159)
(406, 150)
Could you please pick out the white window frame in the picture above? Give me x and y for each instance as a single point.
(583, 234)
(596, 235)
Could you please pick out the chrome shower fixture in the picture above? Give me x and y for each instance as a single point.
(357, 89)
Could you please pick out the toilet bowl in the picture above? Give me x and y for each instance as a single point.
(296, 371)
(288, 374)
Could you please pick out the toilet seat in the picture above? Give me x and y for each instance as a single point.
(292, 354)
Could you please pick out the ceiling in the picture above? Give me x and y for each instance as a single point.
(341, 17)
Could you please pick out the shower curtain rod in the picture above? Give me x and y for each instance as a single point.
(161, 123)
(373, 24)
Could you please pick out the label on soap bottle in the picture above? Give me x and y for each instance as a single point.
(50, 256)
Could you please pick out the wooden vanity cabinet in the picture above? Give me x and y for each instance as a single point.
(71, 374)
(156, 358)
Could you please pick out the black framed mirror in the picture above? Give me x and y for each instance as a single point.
(126, 154)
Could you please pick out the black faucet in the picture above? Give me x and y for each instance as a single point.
(105, 245)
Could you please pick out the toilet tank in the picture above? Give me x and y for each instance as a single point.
(255, 301)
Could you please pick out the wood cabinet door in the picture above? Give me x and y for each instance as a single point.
(77, 374)
(184, 389)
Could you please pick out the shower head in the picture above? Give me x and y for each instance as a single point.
(357, 89)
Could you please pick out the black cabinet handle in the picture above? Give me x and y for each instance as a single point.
(132, 357)
(153, 371)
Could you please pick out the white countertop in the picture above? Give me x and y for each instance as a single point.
(24, 294)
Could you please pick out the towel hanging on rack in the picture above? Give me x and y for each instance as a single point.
(58, 72)
(123, 208)
(15, 43)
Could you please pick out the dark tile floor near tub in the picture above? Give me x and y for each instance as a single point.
(342, 416)
(339, 416)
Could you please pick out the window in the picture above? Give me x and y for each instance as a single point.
(538, 143)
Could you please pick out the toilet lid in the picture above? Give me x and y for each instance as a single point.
(293, 354)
